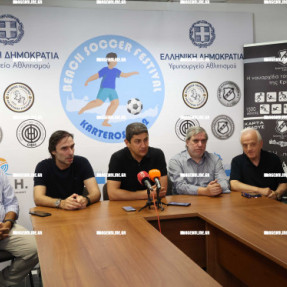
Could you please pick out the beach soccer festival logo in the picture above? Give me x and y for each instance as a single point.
(11, 29)
(109, 82)
(202, 34)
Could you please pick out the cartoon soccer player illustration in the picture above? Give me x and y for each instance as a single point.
(107, 88)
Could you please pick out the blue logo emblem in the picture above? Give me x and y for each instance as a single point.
(202, 34)
(11, 29)
(109, 82)
(4, 165)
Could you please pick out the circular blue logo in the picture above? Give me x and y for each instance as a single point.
(101, 77)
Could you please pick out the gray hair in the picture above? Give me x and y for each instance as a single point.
(192, 131)
(135, 129)
(259, 137)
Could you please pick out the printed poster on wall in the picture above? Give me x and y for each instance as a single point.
(265, 94)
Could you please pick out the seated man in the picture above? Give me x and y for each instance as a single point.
(195, 171)
(248, 169)
(64, 176)
(137, 156)
(21, 246)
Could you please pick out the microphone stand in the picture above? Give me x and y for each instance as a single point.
(159, 203)
(149, 201)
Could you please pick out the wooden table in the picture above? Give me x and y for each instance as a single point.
(236, 253)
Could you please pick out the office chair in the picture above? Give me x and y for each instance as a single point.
(169, 186)
(5, 256)
(105, 192)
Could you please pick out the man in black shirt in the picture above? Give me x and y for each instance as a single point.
(126, 163)
(257, 170)
(61, 179)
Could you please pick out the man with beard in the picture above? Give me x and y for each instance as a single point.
(137, 156)
(61, 179)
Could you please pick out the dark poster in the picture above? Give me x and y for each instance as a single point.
(265, 95)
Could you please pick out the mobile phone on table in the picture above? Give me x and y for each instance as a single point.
(250, 194)
(179, 203)
(40, 213)
(129, 208)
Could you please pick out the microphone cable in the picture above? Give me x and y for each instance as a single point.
(156, 211)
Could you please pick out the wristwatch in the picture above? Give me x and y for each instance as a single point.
(11, 220)
(58, 203)
(88, 199)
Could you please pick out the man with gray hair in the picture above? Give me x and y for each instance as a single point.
(257, 170)
(194, 171)
(126, 163)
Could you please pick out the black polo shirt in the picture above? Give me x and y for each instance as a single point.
(245, 171)
(122, 163)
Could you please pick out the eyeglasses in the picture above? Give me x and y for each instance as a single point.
(197, 141)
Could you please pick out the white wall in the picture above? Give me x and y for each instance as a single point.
(268, 26)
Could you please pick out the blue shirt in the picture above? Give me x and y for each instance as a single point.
(8, 200)
(109, 77)
(187, 175)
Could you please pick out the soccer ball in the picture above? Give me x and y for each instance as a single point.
(134, 106)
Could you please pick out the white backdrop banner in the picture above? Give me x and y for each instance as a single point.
(188, 71)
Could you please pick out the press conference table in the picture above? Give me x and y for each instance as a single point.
(235, 253)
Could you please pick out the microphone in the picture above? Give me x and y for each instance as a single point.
(155, 176)
(143, 179)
